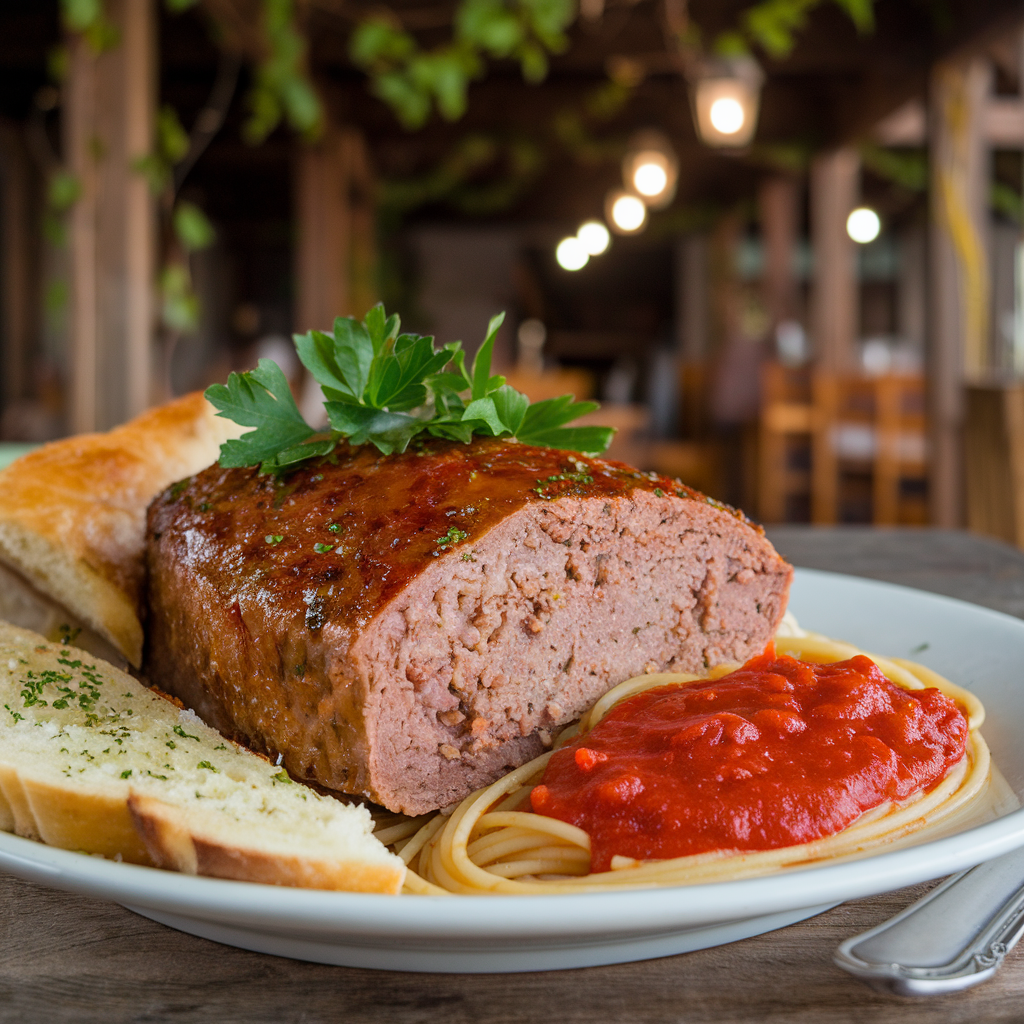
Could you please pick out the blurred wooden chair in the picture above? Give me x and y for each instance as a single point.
(698, 464)
(875, 426)
(786, 426)
(552, 383)
(902, 431)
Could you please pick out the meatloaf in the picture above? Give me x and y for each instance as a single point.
(410, 627)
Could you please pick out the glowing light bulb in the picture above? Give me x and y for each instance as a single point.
(727, 115)
(571, 254)
(594, 237)
(629, 213)
(650, 179)
(863, 225)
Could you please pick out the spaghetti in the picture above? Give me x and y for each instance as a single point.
(490, 844)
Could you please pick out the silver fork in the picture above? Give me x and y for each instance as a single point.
(954, 937)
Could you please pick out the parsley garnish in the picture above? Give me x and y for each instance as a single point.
(580, 476)
(273, 539)
(322, 549)
(453, 536)
(209, 767)
(385, 388)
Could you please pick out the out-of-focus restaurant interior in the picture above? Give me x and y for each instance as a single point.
(780, 242)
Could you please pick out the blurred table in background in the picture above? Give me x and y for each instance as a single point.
(73, 960)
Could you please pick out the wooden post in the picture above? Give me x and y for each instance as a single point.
(109, 105)
(336, 251)
(780, 416)
(693, 330)
(958, 287)
(691, 297)
(778, 204)
(18, 242)
(834, 313)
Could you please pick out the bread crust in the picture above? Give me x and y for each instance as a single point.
(181, 842)
(87, 819)
(73, 512)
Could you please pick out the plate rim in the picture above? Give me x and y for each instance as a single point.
(499, 917)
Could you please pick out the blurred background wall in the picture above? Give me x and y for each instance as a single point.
(819, 313)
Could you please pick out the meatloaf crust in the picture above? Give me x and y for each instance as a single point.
(410, 627)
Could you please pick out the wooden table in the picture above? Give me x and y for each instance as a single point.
(66, 958)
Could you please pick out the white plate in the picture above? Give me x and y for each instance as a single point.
(980, 649)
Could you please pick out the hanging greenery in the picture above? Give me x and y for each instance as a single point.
(772, 25)
(282, 89)
(413, 81)
(87, 18)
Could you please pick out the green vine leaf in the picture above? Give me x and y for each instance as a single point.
(413, 82)
(282, 89)
(172, 144)
(192, 227)
(87, 18)
(773, 24)
(179, 309)
(861, 12)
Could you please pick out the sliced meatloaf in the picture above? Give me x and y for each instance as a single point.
(410, 627)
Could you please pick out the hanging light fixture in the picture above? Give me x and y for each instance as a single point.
(625, 212)
(594, 237)
(726, 95)
(650, 168)
(570, 254)
(863, 225)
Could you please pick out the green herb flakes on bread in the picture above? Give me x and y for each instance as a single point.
(91, 760)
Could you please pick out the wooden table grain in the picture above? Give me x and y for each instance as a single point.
(67, 959)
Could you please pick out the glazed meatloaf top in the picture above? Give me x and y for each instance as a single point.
(409, 627)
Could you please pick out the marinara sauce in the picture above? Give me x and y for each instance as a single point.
(777, 753)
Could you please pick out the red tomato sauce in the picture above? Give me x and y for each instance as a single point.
(777, 753)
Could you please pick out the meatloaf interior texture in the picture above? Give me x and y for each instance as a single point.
(410, 627)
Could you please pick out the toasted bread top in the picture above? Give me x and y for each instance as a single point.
(73, 512)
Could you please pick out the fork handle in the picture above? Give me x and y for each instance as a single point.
(954, 937)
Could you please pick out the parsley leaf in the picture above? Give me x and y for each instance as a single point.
(544, 424)
(262, 399)
(384, 388)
